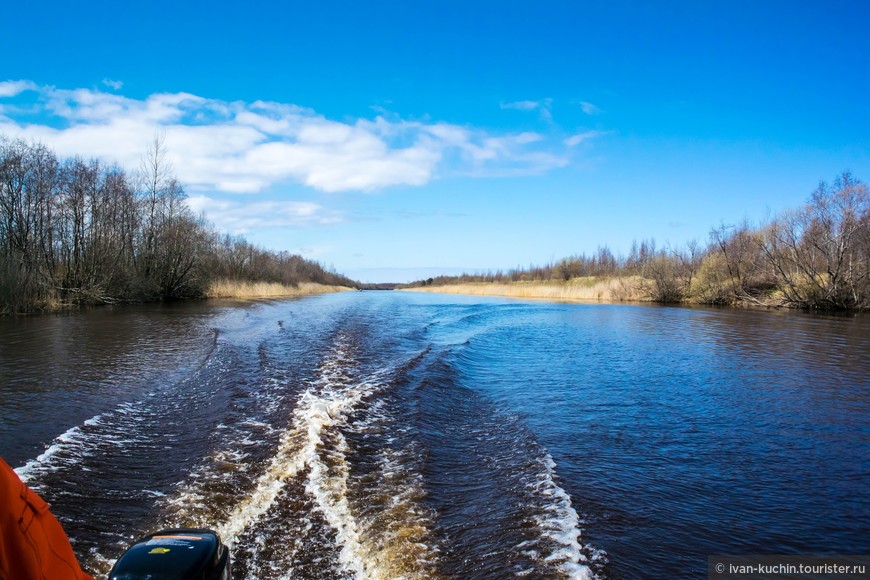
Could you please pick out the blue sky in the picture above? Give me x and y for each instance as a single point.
(399, 140)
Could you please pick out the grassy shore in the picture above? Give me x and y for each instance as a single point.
(243, 289)
(591, 289)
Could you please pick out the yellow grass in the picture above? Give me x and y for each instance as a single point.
(627, 289)
(242, 289)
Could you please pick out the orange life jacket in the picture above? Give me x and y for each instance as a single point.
(33, 544)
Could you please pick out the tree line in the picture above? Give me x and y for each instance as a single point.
(77, 231)
(816, 256)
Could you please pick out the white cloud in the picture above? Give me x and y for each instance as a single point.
(543, 107)
(14, 88)
(113, 84)
(589, 108)
(522, 105)
(575, 140)
(241, 218)
(239, 147)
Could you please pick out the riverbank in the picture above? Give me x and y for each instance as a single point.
(245, 289)
(588, 289)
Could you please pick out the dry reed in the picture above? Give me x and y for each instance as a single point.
(244, 289)
(624, 289)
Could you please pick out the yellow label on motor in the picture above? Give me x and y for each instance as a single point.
(159, 550)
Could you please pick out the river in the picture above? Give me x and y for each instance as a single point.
(388, 434)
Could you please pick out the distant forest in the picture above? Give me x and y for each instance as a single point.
(813, 257)
(76, 231)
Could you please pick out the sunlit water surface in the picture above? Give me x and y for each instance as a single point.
(386, 435)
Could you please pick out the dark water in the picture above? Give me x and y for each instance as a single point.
(385, 435)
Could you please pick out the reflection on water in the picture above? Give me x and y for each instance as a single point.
(390, 435)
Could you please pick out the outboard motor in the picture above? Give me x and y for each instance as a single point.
(176, 554)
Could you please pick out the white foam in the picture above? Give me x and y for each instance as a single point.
(75, 443)
(561, 524)
(72, 442)
(314, 447)
(297, 447)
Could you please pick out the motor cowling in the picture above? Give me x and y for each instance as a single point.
(175, 554)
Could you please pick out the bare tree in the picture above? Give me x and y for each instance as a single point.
(77, 231)
(820, 252)
(155, 174)
(27, 179)
(735, 266)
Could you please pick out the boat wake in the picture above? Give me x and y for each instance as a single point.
(309, 484)
(338, 466)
